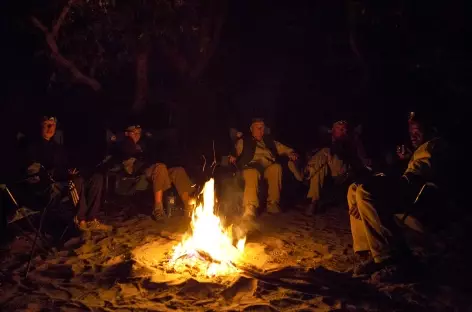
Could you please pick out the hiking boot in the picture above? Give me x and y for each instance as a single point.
(81, 225)
(399, 271)
(312, 208)
(249, 211)
(273, 208)
(245, 226)
(96, 225)
(366, 268)
(388, 270)
(238, 232)
(360, 258)
(189, 207)
(158, 212)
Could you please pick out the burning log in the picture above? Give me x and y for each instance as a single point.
(209, 246)
(206, 257)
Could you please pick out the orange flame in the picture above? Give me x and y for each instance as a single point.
(209, 246)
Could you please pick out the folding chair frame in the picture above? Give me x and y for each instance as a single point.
(420, 193)
(37, 230)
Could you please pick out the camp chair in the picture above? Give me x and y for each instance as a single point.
(24, 213)
(122, 184)
(119, 183)
(20, 212)
(112, 141)
(234, 181)
(407, 219)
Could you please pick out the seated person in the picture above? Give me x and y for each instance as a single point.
(372, 205)
(47, 166)
(136, 160)
(342, 161)
(257, 156)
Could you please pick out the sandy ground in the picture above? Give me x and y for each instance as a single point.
(292, 264)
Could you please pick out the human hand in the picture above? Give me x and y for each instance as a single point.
(293, 156)
(403, 153)
(308, 172)
(232, 159)
(73, 171)
(34, 168)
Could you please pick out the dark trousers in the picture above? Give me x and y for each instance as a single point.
(90, 196)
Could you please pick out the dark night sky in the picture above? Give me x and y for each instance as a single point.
(295, 62)
(292, 63)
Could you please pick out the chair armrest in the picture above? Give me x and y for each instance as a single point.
(420, 193)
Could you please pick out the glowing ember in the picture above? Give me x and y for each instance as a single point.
(208, 247)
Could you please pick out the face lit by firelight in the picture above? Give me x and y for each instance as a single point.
(257, 130)
(48, 129)
(339, 131)
(134, 134)
(417, 136)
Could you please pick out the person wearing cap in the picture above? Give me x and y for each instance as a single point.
(48, 169)
(377, 241)
(135, 158)
(257, 157)
(342, 160)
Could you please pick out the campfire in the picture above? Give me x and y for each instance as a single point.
(208, 247)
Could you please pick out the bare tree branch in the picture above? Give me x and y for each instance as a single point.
(208, 43)
(62, 17)
(60, 59)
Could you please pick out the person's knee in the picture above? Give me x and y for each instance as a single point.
(179, 170)
(351, 194)
(160, 166)
(352, 188)
(159, 169)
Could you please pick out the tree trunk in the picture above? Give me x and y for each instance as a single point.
(142, 82)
